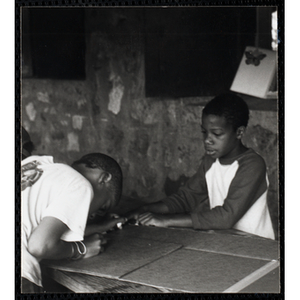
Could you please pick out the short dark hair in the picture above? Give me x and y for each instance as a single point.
(232, 107)
(107, 164)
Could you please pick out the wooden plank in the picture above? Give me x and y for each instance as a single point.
(195, 271)
(220, 242)
(82, 283)
(71, 282)
(270, 283)
(253, 277)
(122, 255)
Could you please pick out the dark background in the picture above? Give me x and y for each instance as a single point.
(188, 52)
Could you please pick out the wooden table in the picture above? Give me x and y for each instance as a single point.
(141, 259)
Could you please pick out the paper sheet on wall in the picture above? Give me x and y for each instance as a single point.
(115, 95)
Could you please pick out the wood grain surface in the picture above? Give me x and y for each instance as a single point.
(212, 241)
(196, 271)
(82, 283)
(122, 255)
(139, 259)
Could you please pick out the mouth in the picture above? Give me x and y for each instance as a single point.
(210, 151)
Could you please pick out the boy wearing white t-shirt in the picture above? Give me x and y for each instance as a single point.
(56, 201)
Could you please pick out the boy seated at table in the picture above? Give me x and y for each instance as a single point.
(56, 201)
(230, 187)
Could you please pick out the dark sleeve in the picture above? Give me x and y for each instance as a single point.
(247, 186)
(193, 196)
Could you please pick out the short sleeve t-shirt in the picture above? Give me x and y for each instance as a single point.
(51, 190)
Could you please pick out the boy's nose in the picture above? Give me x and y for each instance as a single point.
(208, 140)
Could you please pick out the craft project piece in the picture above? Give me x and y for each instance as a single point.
(256, 75)
(236, 245)
(195, 271)
(120, 257)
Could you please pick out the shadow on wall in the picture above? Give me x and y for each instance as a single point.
(172, 186)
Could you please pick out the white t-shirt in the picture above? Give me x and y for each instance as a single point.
(54, 190)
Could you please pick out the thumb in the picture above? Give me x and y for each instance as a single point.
(120, 220)
(123, 220)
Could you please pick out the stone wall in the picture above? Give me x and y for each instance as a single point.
(157, 142)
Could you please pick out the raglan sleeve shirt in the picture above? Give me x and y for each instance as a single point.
(248, 184)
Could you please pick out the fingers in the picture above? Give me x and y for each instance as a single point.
(103, 241)
(134, 214)
(101, 245)
(97, 236)
(146, 218)
(130, 216)
(100, 237)
(95, 244)
(121, 220)
(100, 241)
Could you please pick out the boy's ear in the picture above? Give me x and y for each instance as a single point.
(105, 177)
(240, 132)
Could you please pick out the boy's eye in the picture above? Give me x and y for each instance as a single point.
(217, 133)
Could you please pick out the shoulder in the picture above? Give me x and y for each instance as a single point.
(58, 174)
(39, 159)
(70, 177)
(251, 156)
(252, 160)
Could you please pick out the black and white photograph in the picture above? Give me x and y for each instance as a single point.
(150, 149)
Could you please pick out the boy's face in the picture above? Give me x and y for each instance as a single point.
(220, 139)
(103, 196)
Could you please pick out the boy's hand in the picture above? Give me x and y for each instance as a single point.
(134, 214)
(109, 224)
(150, 219)
(94, 245)
(156, 207)
(103, 225)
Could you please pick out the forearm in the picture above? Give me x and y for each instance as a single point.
(179, 220)
(157, 208)
(59, 250)
(165, 220)
(103, 225)
(94, 228)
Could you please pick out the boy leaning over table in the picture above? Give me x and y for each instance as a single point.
(230, 187)
(56, 202)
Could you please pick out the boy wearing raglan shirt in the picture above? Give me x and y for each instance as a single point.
(230, 187)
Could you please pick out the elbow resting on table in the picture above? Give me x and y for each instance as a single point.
(220, 222)
(40, 250)
(227, 219)
(226, 226)
(226, 223)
